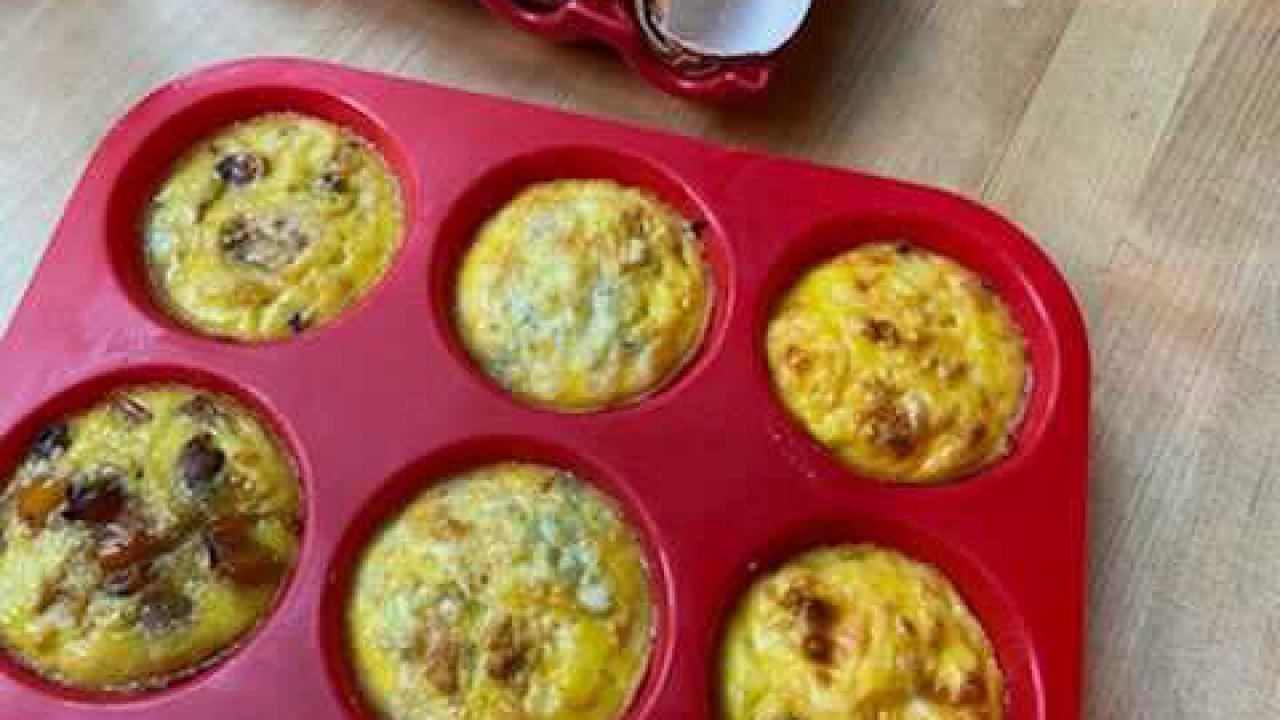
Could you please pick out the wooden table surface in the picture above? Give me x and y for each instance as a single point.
(1138, 140)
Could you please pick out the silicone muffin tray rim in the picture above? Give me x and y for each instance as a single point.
(720, 482)
(614, 23)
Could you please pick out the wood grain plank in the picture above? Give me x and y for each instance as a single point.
(1211, 204)
(1097, 120)
(1160, 146)
(909, 88)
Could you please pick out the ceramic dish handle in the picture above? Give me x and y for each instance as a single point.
(607, 20)
(572, 20)
(614, 23)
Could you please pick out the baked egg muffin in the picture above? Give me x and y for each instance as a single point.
(143, 538)
(857, 633)
(271, 227)
(583, 294)
(510, 591)
(901, 362)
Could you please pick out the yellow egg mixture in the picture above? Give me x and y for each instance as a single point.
(857, 633)
(143, 537)
(510, 592)
(583, 294)
(901, 362)
(271, 227)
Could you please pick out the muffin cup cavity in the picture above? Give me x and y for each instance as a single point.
(497, 186)
(170, 140)
(977, 585)
(982, 255)
(85, 394)
(398, 491)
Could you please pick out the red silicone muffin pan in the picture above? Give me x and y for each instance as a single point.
(622, 25)
(720, 481)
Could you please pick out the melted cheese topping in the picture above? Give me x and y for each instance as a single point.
(271, 227)
(142, 538)
(858, 633)
(901, 362)
(582, 295)
(512, 591)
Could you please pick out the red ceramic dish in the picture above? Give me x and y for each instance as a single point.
(721, 481)
(615, 23)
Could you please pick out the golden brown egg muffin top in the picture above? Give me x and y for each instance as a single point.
(583, 294)
(143, 538)
(510, 591)
(271, 227)
(857, 633)
(901, 362)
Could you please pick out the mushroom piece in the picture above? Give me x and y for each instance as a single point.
(52, 440)
(204, 410)
(265, 242)
(125, 581)
(162, 609)
(199, 464)
(132, 410)
(240, 168)
(96, 500)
